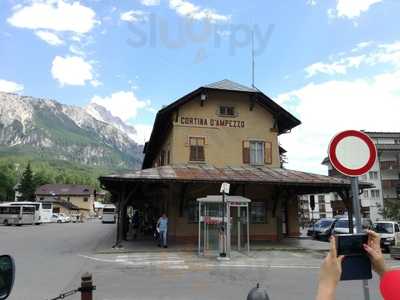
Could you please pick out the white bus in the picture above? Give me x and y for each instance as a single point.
(109, 214)
(17, 215)
(43, 210)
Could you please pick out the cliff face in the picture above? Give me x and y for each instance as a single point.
(52, 130)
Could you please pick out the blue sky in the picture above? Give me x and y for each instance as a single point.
(335, 64)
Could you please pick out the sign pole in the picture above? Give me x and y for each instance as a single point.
(223, 253)
(357, 216)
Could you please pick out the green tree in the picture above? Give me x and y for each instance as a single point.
(27, 185)
(391, 210)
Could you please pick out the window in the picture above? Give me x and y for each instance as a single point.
(373, 175)
(27, 210)
(375, 193)
(322, 215)
(365, 193)
(168, 157)
(85, 199)
(336, 197)
(257, 212)
(321, 203)
(162, 158)
(46, 205)
(396, 228)
(226, 111)
(196, 148)
(256, 153)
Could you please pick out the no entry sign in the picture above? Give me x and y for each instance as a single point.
(352, 153)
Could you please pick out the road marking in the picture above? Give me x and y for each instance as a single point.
(262, 266)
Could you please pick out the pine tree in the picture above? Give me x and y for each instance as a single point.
(27, 185)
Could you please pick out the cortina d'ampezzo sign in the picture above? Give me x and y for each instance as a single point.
(209, 122)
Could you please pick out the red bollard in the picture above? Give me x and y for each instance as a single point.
(87, 287)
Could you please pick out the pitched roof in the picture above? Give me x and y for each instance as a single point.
(285, 120)
(211, 174)
(64, 189)
(230, 85)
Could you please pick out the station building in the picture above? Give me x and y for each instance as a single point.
(220, 132)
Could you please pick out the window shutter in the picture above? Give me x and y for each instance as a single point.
(246, 152)
(268, 153)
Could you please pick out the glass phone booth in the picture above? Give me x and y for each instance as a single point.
(211, 240)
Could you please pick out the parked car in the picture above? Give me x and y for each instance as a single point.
(76, 218)
(61, 218)
(389, 232)
(324, 229)
(342, 225)
(55, 218)
(312, 227)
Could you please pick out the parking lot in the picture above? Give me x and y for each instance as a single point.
(50, 259)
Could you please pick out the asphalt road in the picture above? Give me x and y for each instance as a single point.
(51, 258)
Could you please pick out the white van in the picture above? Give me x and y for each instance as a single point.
(109, 214)
(389, 232)
(17, 215)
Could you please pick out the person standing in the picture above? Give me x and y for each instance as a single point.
(162, 226)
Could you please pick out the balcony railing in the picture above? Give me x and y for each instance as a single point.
(390, 183)
(389, 165)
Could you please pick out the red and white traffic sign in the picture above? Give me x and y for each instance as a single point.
(352, 153)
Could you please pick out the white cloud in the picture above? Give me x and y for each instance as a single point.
(329, 107)
(54, 15)
(133, 16)
(351, 9)
(75, 49)
(187, 9)
(10, 86)
(380, 54)
(143, 132)
(123, 104)
(312, 2)
(71, 70)
(150, 2)
(96, 83)
(49, 37)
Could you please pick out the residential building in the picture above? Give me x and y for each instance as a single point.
(68, 197)
(384, 176)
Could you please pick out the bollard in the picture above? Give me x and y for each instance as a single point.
(87, 287)
(257, 294)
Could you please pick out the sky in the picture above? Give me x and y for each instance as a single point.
(334, 64)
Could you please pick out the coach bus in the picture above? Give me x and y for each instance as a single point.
(43, 210)
(17, 215)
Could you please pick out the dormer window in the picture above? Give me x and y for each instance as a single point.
(227, 111)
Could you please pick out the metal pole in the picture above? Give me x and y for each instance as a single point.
(248, 229)
(223, 253)
(199, 215)
(357, 215)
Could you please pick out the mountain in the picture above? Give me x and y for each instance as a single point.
(48, 130)
(100, 113)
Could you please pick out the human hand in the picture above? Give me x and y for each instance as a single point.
(375, 253)
(330, 272)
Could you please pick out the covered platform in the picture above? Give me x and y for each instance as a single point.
(174, 189)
